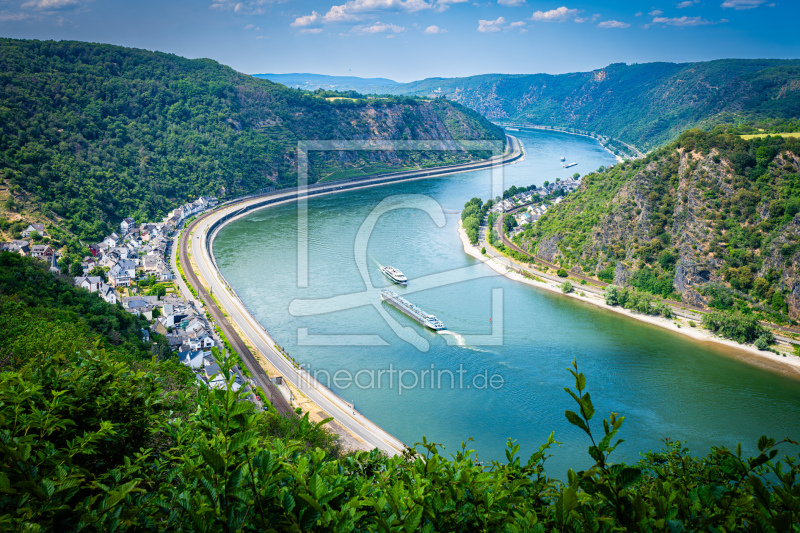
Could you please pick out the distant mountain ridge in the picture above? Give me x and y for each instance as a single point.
(312, 82)
(646, 104)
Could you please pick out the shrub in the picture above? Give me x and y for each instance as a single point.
(566, 287)
(483, 250)
(762, 343)
(562, 273)
(735, 326)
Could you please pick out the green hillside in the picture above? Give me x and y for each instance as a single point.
(91, 133)
(645, 104)
(712, 219)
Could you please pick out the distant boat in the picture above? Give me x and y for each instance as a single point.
(570, 165)
(395, 275)
(512, 129)
(563, 158)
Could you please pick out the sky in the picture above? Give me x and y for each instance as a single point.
(407, 40)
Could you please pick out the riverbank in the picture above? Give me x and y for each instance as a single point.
(789, 365)
(618, 158)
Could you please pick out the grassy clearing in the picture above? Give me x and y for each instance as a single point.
(762, 135)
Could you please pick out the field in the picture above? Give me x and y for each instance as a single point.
(760, 135)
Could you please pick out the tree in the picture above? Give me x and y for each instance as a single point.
(566, 287)
(99, 272)
(75, 269)
(562, 273)
(483, 250)
(509, 222)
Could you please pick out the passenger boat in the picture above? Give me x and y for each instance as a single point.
(394, 275)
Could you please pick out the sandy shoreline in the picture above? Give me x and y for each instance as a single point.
(789, 365)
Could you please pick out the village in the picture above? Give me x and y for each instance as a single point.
(132, 267)
(533, 198)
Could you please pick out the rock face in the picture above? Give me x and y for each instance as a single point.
(721, 218)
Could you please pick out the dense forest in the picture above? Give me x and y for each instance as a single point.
(92, 133)
(645, 104)
(96, 434)
(711, 219)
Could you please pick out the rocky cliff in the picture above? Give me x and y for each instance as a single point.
(711, 219)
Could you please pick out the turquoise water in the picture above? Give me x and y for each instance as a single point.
(664, 384)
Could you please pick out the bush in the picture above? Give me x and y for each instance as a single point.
(562, 273)
(762, 343)
(566, 287)
(483, 250)
(735, 326)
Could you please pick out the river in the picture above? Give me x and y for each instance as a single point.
(488, 388)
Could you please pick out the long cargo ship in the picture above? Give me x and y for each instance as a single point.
(570, 165)
(397, 301)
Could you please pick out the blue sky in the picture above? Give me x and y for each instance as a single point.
(414, 39)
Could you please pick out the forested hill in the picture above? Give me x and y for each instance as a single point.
(711, 219)
(92, 133)
(645, 104)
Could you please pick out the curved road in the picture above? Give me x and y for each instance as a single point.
(201, 233)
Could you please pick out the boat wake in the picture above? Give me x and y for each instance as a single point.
(455, 339)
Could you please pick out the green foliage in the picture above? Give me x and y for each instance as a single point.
(94, 132)
(91, 443)
(742, 329)
(562, 273)
(29, 282)
(472, 217)
(636, 301)
(566, 287)
(509, 223)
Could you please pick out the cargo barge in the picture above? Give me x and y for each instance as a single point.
(401, 304)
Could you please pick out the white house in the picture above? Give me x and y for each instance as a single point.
(38, 228)
(90, 283)
(126, 225)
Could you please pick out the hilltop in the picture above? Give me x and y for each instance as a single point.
(90, 133)
(711, 219)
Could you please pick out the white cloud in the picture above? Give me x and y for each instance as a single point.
(560, 14)
(7, 16)
(686, 21)
(353, 9)
(686, 3)
(377, 27)
(745, 4)
(442, 5)
(305, 20)
(252, 27)
(247, 7)
(517, 24)
(490, 26)
(655, 13)
(510, 3)
(613, 24)
(51, 5)
(311, 30)
(639, 14)
(581, 20)
(433, 30)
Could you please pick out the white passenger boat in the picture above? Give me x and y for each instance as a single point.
(394, 275)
